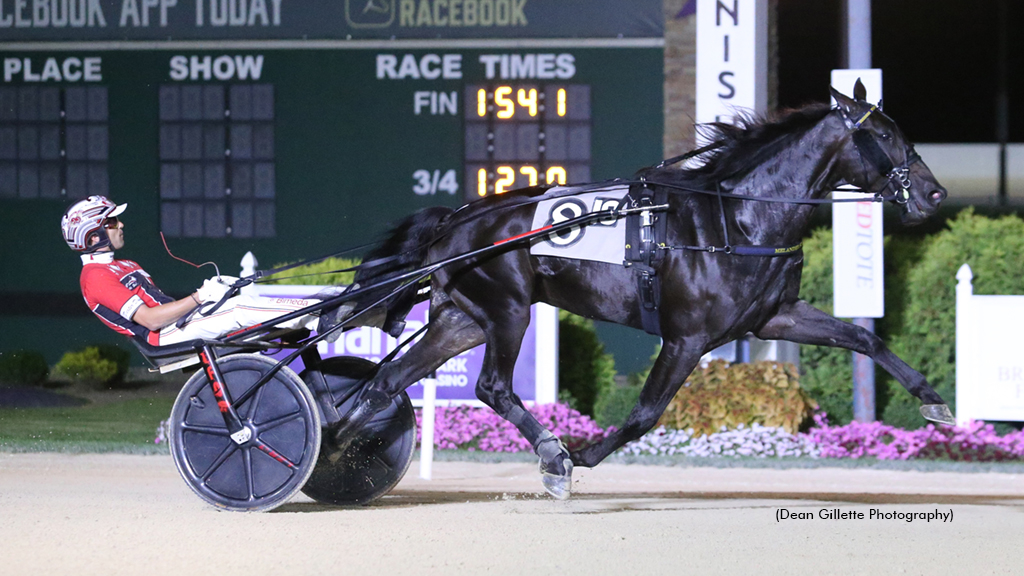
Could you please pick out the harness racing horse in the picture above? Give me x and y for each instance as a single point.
(756, 188)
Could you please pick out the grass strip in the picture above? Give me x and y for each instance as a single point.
(126, 427)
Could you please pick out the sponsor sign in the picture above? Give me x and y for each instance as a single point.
(732, 59)
(989, 366)
(75, 20)
(857, 250)
(534, 379)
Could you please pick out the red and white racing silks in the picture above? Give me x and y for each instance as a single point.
(238, 313)
(115, 289)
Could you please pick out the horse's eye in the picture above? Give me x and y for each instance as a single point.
(886, 136)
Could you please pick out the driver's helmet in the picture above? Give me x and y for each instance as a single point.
(85, 218)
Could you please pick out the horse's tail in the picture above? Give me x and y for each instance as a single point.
(404, 249)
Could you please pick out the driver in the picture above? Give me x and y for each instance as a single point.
(125, 298)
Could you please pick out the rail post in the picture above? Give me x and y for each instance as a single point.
(249, 264)
(427, 427)
(964, 345)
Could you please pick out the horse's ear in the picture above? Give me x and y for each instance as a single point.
(859, 91)
(846, 104)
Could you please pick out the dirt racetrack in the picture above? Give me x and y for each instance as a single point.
(120, 514)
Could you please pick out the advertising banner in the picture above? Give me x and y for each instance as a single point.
(857, 250)
(732, 59)
(534, 380)
(176, 20)
(989, 367)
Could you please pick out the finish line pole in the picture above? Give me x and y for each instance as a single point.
(857, 36)
(864, 379)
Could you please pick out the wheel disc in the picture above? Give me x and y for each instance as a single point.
(269, 468)
(381, 453)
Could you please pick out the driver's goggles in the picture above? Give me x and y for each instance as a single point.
(111, 223)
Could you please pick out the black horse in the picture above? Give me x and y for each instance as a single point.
(707, 298)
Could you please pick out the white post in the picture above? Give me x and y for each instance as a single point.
(732, 59)
(965, 339)
(546, 381)
(249, 264)
(427, 442)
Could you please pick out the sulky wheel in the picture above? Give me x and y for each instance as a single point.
(274, 463)
(379, 457)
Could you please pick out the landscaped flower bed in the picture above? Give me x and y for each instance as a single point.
(480, 429)
(977, 442)
(471, 428)
(756, 441)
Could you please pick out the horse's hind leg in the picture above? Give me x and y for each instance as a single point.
(677, 359)
(804, 324)
(451, 332)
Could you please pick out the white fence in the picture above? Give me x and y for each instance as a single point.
(971, 171)
(989, 355)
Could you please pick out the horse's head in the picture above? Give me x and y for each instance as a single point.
(878, 158)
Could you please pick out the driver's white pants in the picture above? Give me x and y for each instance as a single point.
(237, 313)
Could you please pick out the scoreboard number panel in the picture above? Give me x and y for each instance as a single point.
(525, 134)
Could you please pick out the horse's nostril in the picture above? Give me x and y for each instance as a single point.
(937, 195)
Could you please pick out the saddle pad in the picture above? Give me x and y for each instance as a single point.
(602, 241)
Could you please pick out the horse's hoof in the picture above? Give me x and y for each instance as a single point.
(559, 487)
(555, 466)
(938, 413)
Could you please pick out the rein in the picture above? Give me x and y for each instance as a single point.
(897, 178)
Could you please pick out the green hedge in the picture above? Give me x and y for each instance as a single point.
(101, 366)
(585, 371)
(317, 274)
(994, 249)
(826, 373)
(26, 367)
(920, 308)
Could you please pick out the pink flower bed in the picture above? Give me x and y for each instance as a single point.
(978, 442)
(472, 428)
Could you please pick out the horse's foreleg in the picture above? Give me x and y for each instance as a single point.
(505, 323)
(451, 332)
(494, 388)
(804, 324)
(675, 362)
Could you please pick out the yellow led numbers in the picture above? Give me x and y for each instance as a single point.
(505, 178)
(506, 98)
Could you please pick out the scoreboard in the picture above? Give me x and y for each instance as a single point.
(292, 152)
(520, 135)
(302, 128)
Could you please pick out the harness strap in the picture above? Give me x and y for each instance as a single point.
(743, 250)
(645, 234)
(737, 250)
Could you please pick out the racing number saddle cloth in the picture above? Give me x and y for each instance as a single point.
(631, 241)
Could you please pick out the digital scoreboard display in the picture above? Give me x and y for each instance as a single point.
(520, 135)
(295, 151)
(300, 128)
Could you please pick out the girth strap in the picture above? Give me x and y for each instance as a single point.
(645, 237)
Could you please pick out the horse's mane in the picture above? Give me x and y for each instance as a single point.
(743, 147)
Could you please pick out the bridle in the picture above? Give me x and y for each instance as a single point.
(897, 177)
